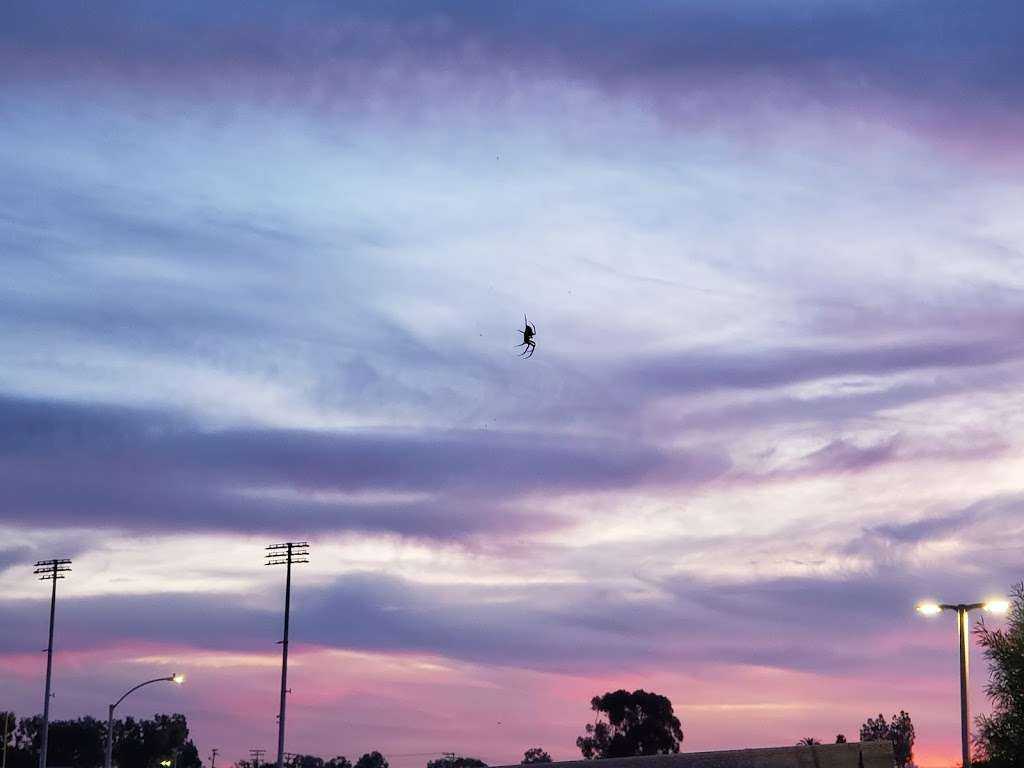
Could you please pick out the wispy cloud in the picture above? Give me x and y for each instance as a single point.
(263, 271)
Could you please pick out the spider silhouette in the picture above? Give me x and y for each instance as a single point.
(529, 331)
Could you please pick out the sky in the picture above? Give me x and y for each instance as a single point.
(264, 266)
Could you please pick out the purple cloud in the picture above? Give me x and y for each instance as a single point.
(942, 524)
(935, 64)
(709, 371)
(91, 465)
(809, 624)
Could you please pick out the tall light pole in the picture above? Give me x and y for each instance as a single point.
(174, 678)
(49, 570)
(7, 722)
(285, 554)
(963, 626)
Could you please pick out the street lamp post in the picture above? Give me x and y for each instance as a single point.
(963, 627)
(7, 721)
(175, 678)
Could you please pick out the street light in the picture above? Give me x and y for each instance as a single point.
(176, 677)
(929, 608)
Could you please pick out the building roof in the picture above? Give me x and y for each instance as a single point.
(868, 754)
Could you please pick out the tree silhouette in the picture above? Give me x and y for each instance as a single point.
(77, 743)
(807, 741)
(535, 755)
(900, 731)
(371, 760)
(840, 738)
(637, 723)
(80, 743)
(457, 762)
(310, 761)
(1000, 738)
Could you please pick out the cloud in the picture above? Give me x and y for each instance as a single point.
(926, 528)
(808, 624)
(920, 61)
(16, 555)
(991, 513)
(89, 465)
(699, 371)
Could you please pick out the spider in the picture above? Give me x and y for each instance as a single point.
(529, 331)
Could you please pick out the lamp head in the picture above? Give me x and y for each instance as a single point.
(997, 606)
(177, 677)
(929, 608)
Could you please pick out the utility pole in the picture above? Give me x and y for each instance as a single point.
(7, 722)
(49, 570)
(286, 554)
(213, 757)
(257, 756)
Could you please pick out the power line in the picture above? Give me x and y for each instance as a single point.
(288, 553)
(49, 570)
(257, 756)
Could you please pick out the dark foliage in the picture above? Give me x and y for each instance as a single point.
(1000, 735)
(310, 761)
(637, 723)
(80, 743)
(370, 760)
(535, 755)
(458, 762)
(900, 731)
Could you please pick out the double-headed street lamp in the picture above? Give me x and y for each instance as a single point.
(962, 610)
(174, 678)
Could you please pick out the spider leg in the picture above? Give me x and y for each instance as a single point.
(533, 348)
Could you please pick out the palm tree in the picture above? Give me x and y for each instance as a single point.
(807, 741)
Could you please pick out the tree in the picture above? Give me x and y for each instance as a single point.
(311, 761)
(840, 738)
(637, 723)
(29, 736)
(1000, 736)
(370, 760)
(338, 762)
(535, 755)
(16, 757)
(23, 739)
(900, 731)
(76, 743)
(456, 762)
(807, 741)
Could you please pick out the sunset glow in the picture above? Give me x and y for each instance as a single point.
(265, 269)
